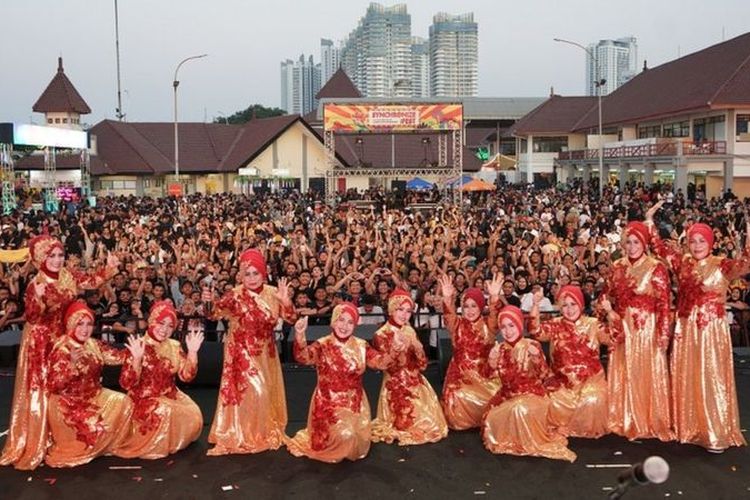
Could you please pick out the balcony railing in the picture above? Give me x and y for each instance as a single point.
(646, 150)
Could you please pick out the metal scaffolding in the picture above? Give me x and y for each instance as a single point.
(443, 171)
(85, 174)
(9, 177)
(51, 202)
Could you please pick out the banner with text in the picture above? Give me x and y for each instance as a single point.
(366, 118)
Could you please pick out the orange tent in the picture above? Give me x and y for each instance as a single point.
(477, 185)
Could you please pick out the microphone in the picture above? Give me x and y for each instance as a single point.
(653, 470)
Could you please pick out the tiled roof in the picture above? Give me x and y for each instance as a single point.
(61, 96)
(143, 148)
(339, 85)
(556, 115)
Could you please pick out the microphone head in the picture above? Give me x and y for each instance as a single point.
(656, 469)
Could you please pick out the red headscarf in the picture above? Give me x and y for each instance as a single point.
(161, 310)
(397, 298)
(40, 247)
(76, 311)
(704, 230)
(574, 292)
(512, 313)
(476, 295)
(345, 307)
(254, 258)
(639, 230)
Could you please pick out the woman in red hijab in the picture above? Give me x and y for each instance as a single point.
(251, 410)
(637, 372)
(578, 387)
(47, 297)
(165, 420)
(85, 420)
(704, 398)
(516, 422)
(408, 408)
(468, 384)
(338, 424)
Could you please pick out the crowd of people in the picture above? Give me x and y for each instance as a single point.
(173, 249)
(238, 267)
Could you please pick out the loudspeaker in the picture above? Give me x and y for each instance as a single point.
(399, 187)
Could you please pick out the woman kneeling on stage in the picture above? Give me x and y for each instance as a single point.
(517, 421)
(85, 420)
(165, 419)
(338, 424)
(408, 408)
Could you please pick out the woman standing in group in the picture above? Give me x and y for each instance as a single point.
(704, 397)
(251, 411)
(165, 419)
(85, 420)
(408, 408)
(338, 424)
(468, 384)
(47, 297)
(638, 375)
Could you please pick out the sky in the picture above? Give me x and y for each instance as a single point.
(247, 39)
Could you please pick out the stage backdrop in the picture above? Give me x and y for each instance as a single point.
(388, 118)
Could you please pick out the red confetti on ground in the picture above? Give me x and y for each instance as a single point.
(51, 480)
(170, 462)
(137, 478)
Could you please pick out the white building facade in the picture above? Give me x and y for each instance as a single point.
(454, 55)
(618, 63)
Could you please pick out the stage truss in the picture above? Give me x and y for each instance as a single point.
(443, 171)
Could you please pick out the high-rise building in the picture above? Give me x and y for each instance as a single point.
(420, 67)
(300, 81)
(618, 63)
(330, 59)
(454, 59)
(377, 54)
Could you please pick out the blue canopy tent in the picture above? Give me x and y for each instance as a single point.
(457, 183)
(417, 184)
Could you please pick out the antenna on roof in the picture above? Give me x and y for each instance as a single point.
(645, 65)
(551, 91)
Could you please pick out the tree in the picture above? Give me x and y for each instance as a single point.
(252, 112)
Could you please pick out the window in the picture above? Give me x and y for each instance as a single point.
(743, 128)
(709, 129)
(550, 144)
(677, 129)
(524, 145)
(65, 120)
(49, 120)
(644, 132)
(57, 120)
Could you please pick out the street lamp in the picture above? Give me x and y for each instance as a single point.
(599, 82)
(175, 84)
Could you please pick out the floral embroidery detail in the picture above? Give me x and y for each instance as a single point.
(471, 347)
(252, 332)
(156, 380)
(77, 386)
(404, 377)
(575, 358)
(339, 387)
(518, 380)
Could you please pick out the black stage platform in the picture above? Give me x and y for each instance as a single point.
(457, 467)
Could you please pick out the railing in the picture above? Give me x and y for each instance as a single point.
(647, 150)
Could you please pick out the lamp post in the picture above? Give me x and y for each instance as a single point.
(599, 82)
(175, 84)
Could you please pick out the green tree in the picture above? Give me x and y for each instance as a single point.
(253, 111)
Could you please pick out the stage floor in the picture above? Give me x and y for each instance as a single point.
(457, 467)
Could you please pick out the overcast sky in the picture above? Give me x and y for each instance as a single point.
(247, 39)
